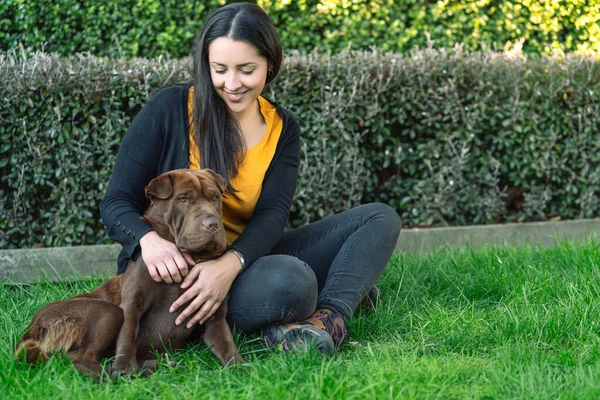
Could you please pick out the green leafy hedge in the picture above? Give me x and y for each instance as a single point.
(447, 137)
(149, 28)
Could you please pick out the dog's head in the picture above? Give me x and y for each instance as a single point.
(186, 208)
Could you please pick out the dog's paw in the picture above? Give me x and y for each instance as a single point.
(122, 373)
(121, 368)
(238, 365)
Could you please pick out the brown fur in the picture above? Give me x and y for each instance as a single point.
(127, 317)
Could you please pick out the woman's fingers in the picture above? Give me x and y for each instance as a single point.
(204, 313)
(188, 258)
(174, 271)
(154, 274)
(191, 276)
(205, 288)
(190, 309)
(182, 267)
(164, 260)
(212, 312)
(165, 274)
(185, 297)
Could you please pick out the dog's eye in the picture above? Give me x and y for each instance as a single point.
(182, 199)
(215, 197)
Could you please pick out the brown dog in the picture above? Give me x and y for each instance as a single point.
(128, 316)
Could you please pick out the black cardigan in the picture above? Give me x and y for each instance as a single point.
(158, 141)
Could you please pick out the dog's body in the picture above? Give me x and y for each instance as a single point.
(128, 316)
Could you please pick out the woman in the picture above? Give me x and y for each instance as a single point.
(298, 286)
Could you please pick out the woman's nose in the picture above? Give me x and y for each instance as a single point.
(232, 82)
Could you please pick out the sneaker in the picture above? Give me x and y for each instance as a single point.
(324, 330)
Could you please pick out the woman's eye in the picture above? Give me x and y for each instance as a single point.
(245, 72)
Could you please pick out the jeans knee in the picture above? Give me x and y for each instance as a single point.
(387, 218)
(275, 289)
(293, 285)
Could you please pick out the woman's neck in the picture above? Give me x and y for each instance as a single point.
(252, 124)
(250, 116)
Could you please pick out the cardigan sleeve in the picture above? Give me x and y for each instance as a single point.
(136, 165)
(272, 210)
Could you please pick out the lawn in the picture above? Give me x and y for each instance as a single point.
(496, 323)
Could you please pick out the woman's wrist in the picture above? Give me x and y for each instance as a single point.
(148, 237)
(234, 258)
(240, 257)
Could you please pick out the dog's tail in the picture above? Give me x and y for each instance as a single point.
(30, 351)
(43, 339)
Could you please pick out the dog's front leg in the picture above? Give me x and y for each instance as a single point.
(133, 305)
(218, 337)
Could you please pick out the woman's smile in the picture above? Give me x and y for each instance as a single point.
(237, 96)
(238, 73)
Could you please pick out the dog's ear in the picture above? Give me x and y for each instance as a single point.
(220, 181)
(160, 187)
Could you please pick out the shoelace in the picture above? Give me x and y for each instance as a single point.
(334, 324)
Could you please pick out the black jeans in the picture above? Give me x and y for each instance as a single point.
(331, 263)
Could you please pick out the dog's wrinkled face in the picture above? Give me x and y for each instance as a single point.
(186, 209)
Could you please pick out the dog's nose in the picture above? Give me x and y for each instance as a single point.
(211, 224)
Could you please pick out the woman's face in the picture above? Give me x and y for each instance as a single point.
(238, 73)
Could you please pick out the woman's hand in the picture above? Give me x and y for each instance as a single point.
(207, 286)
(164, 260)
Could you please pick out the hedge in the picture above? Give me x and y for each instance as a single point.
(446, 137)
(149, 28)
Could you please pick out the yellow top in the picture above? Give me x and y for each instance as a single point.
(251, 172)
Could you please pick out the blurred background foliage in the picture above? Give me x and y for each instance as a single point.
(149, 28)
(454, 113)
(446, 137)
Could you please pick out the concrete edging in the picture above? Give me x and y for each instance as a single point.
(69, 263)
(546, 234)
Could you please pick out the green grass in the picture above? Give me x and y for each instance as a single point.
(453, 324)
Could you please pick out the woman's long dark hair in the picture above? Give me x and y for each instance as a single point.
(217, 133)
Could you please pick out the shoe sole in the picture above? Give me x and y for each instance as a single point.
(301, 338)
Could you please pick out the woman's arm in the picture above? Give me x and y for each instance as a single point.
(136, 165)
(140, 155)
